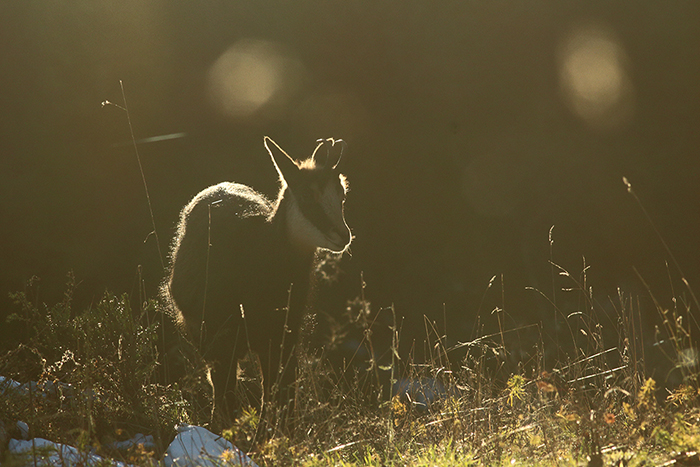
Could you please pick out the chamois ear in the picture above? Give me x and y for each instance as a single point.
(328, 153)
(285, 165)
(339, 147)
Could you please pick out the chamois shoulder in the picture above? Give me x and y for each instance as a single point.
(240, 199)
(218, 212)
(225, 201)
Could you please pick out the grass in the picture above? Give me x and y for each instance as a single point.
(509, 397)
(489, 401)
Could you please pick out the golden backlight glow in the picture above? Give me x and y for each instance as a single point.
(253, 78)
(593, 77)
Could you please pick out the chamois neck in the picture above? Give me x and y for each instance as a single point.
(289, 221)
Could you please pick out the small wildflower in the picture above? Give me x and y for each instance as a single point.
(228, 456)
(516, 388)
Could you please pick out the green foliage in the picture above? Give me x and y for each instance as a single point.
(516, 388)
(95, 373)
(463, 405)
(245, 427)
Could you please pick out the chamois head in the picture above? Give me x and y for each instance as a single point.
(312, 196)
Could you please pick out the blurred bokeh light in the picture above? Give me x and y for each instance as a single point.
(254, 78)
(472, 129)
(594, 78)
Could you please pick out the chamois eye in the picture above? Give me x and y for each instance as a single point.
(306, 197)
(316, 195)
(310, 196)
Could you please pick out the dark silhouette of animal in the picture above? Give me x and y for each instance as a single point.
(241, 265)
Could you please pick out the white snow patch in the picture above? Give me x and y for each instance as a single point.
(198, 446)
(44, 453)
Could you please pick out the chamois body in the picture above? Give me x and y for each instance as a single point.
(241, 264)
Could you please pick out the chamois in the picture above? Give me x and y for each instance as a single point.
(241, 265)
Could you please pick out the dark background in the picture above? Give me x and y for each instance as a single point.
(473, 127)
